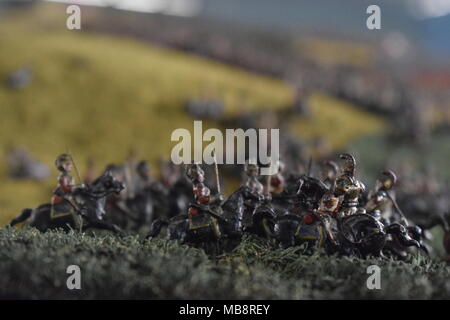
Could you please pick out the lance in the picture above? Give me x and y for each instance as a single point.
(397, 208)
(75, 167)
(216, 167)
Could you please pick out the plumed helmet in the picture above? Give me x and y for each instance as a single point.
(349, 163)
(61, 159)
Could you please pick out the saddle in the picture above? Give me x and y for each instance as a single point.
(62, 208)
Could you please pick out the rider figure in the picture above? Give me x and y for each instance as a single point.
(62, 195)
(144, 180)
(277, 181)
(379, 203)
(328, 173)
(252, 184)
(348, 187)
(203, 200)
(253, 192)
(328, 208)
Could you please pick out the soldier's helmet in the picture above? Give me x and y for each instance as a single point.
(349, 164)
(143, 168)
(61, 160)
(251, 168)
(195, 172)
(387, 179)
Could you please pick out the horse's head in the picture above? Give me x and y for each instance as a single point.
(106, 184)
(94, 196)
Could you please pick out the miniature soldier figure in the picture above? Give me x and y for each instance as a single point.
(252, 184)
(348, 187)
(328, 173)
(169, 173)
(62, 200)
(329, 205)
(144, 180)
(150, 190)
(277, 181)
(379, 203)
(117, 200)
(252, 192)
(203, 201)
(328, 208)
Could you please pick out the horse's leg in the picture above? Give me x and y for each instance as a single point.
(24, 215)
(42, 220)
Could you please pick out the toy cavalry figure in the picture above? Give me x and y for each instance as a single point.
(209, 218)
(252, 191)
(201, 222)
(249, 209)
(73, 206)
(62, 201)
(277, 181)
(380, 201)
(348, 187)
(144, 199)
(333, 217)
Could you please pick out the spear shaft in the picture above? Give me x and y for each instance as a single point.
(75, 167)
(216, 167)
(397, 208)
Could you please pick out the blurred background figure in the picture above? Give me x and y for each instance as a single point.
(21, 165)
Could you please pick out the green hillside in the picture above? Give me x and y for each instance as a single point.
(101, 96)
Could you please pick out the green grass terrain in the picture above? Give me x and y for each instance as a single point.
(101, 96)
(33, 265)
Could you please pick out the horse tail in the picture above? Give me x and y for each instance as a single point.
(23, 216)
(156, 227)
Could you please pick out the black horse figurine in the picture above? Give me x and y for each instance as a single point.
(365, 235)
(88, 210)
